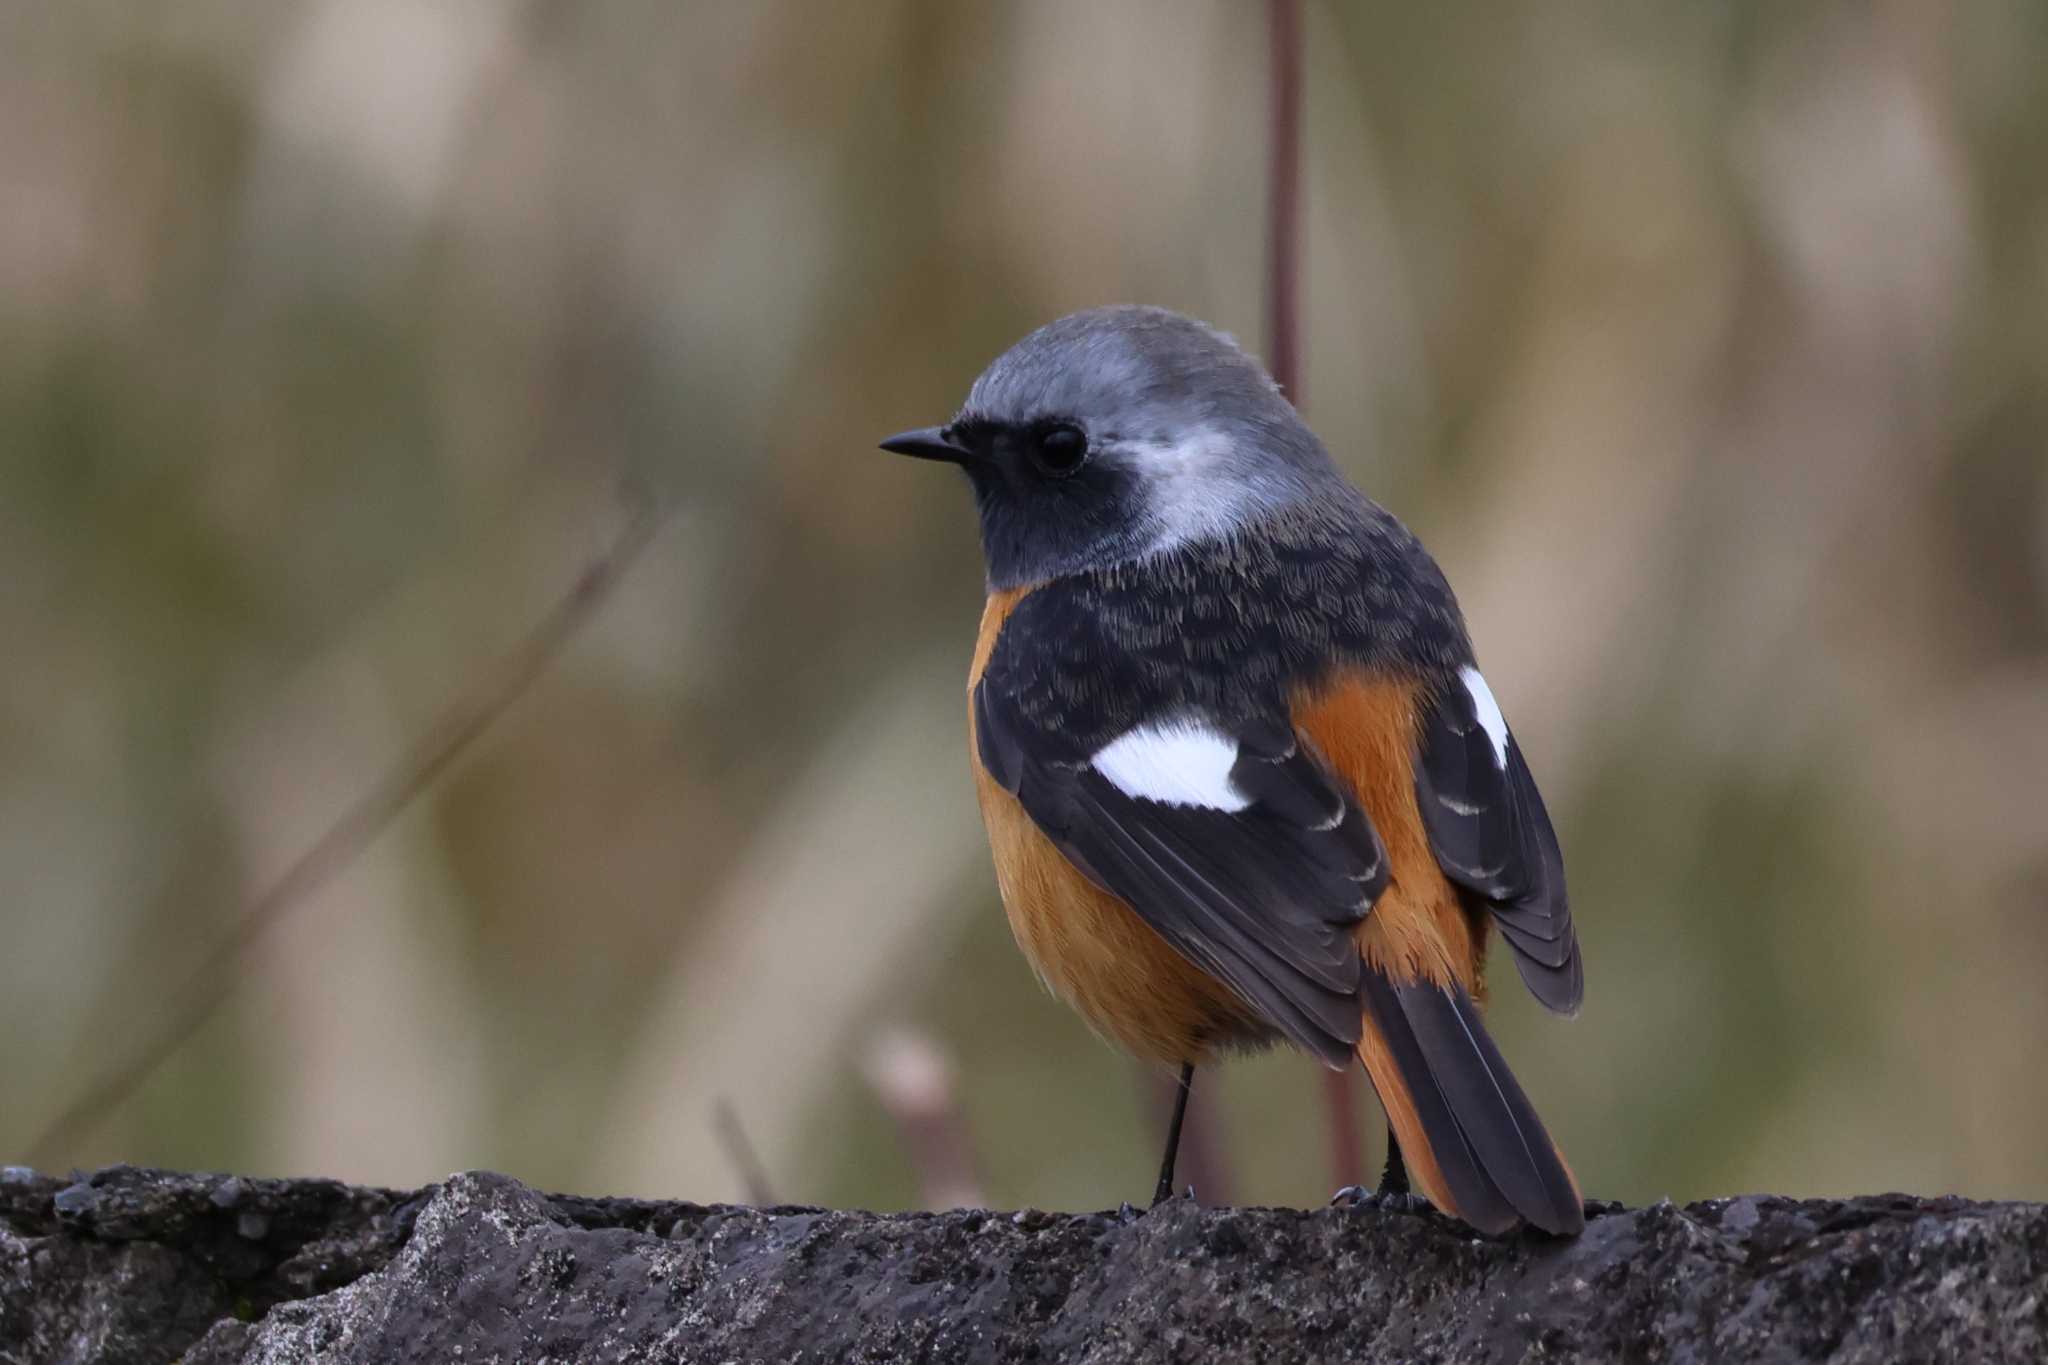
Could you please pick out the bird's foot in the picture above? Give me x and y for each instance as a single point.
(1161, 1196)
(1393, 1201)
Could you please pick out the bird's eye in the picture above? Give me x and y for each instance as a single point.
(1059, 450)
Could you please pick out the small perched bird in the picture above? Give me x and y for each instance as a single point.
(1242, 778)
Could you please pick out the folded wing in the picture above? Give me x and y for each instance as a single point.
(1231, 839)
(1492, 836)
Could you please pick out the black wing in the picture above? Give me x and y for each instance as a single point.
(1263, 897)
(1491, 835)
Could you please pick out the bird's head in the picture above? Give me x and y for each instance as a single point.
(1118, 433)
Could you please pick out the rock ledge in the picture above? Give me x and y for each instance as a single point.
(140, 1265)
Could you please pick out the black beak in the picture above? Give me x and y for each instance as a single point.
(927, 443)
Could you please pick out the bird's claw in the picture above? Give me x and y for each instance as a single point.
(1359, 1197)
(1188, 1193)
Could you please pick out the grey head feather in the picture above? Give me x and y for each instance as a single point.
(1190, 440)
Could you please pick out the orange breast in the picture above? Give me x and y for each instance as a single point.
(1088, 946)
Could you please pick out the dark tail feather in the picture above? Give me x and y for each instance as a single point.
(1494, 1162)
(1439, 1158)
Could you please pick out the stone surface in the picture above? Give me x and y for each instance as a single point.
(136, 1265)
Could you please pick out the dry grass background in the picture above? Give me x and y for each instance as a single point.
(1706, 345)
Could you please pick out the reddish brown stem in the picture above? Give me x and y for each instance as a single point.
(1347, 1142)
(1283, 198)
(1283, 357)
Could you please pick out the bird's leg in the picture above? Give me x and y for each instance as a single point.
(1393, 1194)
(1394, 1177)
(1180, 1113)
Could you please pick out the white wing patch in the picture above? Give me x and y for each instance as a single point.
(1490, 718)
(1175, 762)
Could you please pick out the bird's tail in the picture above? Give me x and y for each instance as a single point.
(1471, 1140)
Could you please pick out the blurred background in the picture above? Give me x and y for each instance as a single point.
(1707, 346)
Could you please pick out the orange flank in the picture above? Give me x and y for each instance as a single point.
(1364, 726)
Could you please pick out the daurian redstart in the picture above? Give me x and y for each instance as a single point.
(1242, 778)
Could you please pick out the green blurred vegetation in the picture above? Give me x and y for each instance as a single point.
(1706, 345)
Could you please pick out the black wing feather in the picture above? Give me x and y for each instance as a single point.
(1492, 836)
(1265, 899)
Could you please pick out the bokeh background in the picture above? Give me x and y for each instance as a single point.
(1707, 345)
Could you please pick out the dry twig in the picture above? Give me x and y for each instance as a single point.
(358, 827)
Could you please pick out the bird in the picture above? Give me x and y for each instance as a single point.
(1243, 781)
